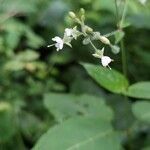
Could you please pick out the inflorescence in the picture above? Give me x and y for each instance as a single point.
(89, 36)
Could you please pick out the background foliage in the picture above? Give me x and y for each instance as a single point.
(48, 100)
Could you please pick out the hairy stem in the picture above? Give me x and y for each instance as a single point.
(93, 45)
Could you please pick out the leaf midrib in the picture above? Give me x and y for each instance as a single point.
(100, 135)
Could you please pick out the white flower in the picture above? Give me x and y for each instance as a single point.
(105, 60)
(72, 32)
(68, 32)
(59, 43)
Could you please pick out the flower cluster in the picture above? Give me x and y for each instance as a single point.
(69, 35)
(88, 37)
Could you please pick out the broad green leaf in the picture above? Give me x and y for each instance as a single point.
(82, 133)
(64, 106)
(109, 79)
(139, 90)
(142, 111)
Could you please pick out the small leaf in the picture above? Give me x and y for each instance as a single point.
(83, 133)
(142, 111)
(109, 79)
(139, 90)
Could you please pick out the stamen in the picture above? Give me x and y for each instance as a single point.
(51, 45)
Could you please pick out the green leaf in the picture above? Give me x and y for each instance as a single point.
(33, 40)
(27, 55)
(139, 90)
(14, 65)
(82, 133)
(31, 127)
(109, 79)
(142, 111)
(7, 122)
(64, 106)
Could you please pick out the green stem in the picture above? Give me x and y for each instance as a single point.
(93, 45)
(123, 14)
(117, 12)
(123, 52)
(123, 55)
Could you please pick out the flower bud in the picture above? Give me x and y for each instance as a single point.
(82, 14)
(88, 29)
(72, 14)
(104, 40)
(115, 49)
(96, 36)
(82, 11)
(86, 41)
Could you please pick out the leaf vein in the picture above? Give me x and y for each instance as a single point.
(91, 139)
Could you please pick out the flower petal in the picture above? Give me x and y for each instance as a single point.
(105, 60)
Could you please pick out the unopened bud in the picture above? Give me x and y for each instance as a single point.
(96, 36)
(115, 49)
(82, 11)
(82, 14)
(72, 14)
(86, 41)
(88, 29)
(104, 40)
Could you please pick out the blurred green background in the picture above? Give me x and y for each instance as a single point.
(29, 69)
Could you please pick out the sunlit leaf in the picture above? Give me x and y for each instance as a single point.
(111, 80)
